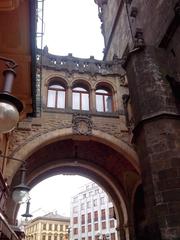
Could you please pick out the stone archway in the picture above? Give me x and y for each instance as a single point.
(113, 158)
(27, 148)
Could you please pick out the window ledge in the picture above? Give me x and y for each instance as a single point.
(97, 114)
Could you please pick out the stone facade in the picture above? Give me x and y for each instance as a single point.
(95, 144)
(146, 36)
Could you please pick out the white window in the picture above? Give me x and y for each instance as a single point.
(56, 96)
(103, 100)
(80, 99)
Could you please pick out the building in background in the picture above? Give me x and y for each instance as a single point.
(92, 215)
(51, 226)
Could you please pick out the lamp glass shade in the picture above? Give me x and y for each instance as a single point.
(9, 117)
(19, 194)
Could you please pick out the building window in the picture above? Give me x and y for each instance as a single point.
(96, 191)
(111, 223)
(89, 238)
(113, 236)
(80, 99)
(61, 228)
(75, 231)
(55, 227)
(88, 204)
(56, 96)
(103, 100)
(96, 237)
(90, 193)
(75, 209)
(103, 214)
(49, 237)
(44, 226)
(61, 236)
(43, 237)
(89, 217)
(75, 220)
(96, 216)
(82, 206)
(83, 219)
(89, 228)
(111, 212)
(102, 200)
(96, 226)
(50, 226)
(55, 237)
(95, 202)
(103, 225)
(83, 229)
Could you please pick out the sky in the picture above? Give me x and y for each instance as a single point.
(53, 194)
(73, 26)
(70, 26)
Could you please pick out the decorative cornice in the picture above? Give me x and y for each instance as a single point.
(81, 65)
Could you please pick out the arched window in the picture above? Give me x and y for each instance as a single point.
(56, 96)
(103, 100)
(80, 99)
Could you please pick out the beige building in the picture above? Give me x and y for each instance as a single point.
(51, 226)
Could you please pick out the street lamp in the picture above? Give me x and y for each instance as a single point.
(27, 214)
(10, 106)
(21, 190)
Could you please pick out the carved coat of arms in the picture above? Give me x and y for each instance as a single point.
(82, 124)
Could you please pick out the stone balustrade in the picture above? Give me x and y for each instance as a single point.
(72, 64)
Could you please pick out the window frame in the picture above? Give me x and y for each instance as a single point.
(57, 90)
(109, 93)
(80, 97)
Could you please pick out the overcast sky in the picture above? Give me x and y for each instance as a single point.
(71, 26)
(54, 194)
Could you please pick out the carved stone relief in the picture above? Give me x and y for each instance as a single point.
(82, 124)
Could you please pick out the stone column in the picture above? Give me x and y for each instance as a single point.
(93, 100)
(69, 98)
(157, 139)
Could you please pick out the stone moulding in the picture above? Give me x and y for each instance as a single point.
(82, 124)
(72, 64)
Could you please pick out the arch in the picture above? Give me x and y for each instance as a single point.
(81, 82)
(67, 133)
(90, 170)
(93, 172)
(79, 166)
(105, 84)
(58, 79)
